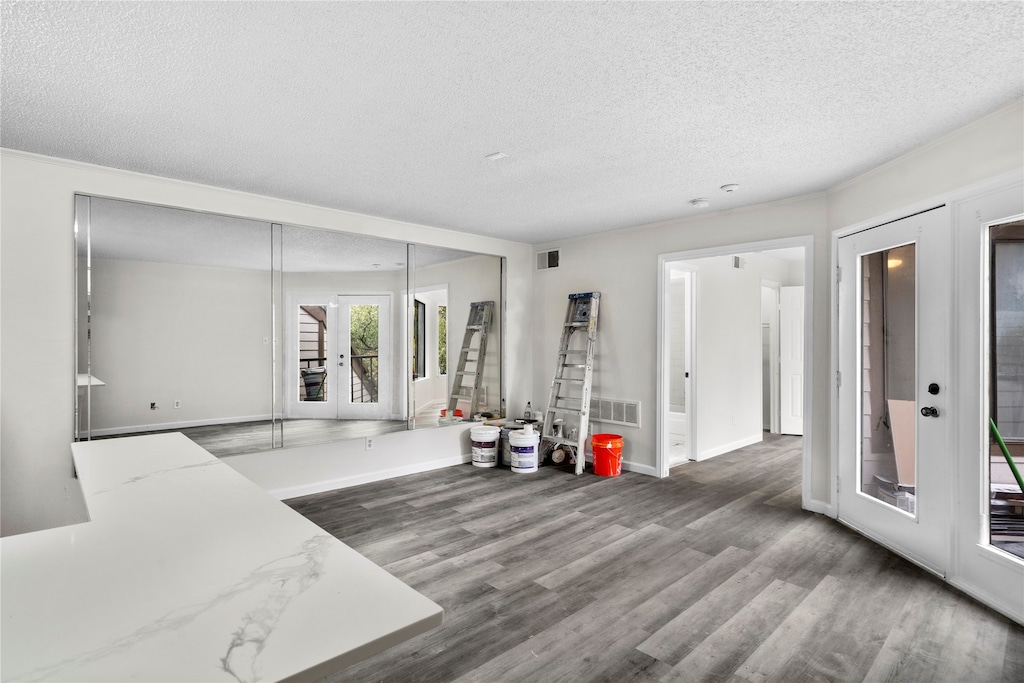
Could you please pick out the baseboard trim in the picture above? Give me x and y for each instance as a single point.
(729, 447)
(184, 424)
(640, 468)
(368, 477)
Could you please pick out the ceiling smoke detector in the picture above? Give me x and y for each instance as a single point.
(700, 203)
(731, 187)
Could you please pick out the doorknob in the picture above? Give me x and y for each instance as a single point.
(930, 412)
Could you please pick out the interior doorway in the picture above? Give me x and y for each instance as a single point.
(719, 345)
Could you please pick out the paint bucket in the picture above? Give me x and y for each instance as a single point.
(485, 445)
(524, 444)
(506, 448)
(607, 454)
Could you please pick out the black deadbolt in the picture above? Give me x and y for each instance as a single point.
(933, 388)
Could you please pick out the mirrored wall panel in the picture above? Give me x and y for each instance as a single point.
(248, 335)
(457, 334)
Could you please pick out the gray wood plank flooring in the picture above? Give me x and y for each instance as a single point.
(714, 574)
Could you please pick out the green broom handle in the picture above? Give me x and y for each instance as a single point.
(1006, 454)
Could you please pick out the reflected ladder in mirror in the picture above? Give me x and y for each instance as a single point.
(479, 323)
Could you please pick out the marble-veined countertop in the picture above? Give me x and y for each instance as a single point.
(187, 571)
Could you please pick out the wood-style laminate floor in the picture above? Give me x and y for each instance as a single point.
(713, 574)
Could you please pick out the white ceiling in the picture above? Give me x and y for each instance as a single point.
(611, 114)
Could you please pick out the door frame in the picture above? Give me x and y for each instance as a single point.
(922, 536)
(662, 445)
(972, 567)
(293, 408)
(665, 268)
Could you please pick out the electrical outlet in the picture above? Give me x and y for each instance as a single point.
(369, 444)
(177, 403)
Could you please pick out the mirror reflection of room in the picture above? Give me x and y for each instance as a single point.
(177, 328)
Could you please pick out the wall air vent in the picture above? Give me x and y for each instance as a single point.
(614, 411)
(547, 259)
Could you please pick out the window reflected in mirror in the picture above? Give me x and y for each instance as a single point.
(312, 353)
(246, 335)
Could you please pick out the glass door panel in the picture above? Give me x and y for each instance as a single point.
(888, 341)
(312, 353)
(364, 357)
(1006, 382)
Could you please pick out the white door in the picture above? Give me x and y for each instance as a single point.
(791, 364)
(338, 356)
(894, 427)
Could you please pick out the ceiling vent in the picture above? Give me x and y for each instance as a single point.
(614, 411)
(547, 259)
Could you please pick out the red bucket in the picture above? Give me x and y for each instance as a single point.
(607, 454)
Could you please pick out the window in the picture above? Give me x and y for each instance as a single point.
(1006, 400)
(419, 340)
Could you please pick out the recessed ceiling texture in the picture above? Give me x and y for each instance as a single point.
(610, 114)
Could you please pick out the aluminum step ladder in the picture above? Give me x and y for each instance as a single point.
(567, 416)
(470, 368)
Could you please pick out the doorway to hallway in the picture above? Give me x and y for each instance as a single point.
(720, 343)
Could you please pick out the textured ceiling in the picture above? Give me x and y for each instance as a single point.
(611, 114)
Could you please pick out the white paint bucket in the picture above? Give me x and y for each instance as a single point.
(524, 444)
(485, 445)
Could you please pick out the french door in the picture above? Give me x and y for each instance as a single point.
(895, 463)
(338, 356)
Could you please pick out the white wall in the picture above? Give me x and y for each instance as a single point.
(431, 389)
(37, 316)
(622, 265)
(162, 332)
(676, 329)
(727, 362)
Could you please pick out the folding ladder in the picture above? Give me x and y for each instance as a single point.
(480, 313)
(566, 419)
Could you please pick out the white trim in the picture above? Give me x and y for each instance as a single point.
(182, 424)
(661, 466)
(368, 477)
(729, 447)
(639, 468)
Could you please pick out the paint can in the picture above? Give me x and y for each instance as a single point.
(485, 445)
(524, 445)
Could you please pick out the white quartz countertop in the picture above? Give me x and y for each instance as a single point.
(187, 571)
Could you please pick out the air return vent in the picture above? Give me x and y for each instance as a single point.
(614, 411)
(547, 259)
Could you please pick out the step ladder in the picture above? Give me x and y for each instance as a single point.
(566, 419)
(470, 368)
